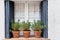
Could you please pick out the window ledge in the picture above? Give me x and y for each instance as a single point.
(31, 38)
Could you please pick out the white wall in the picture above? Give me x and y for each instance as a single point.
(54, 19)
(2, 20)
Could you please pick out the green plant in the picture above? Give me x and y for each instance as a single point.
(25, 25)
(38, 25)
(15, 25)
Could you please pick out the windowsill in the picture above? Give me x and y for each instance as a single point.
(31, 38)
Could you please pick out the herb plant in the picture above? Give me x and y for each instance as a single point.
(15, 25)
(25, 25)
(38, 25)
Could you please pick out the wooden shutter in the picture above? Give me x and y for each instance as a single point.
(44, 16)
(9, 15)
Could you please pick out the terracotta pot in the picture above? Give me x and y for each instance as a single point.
(16, 34)
(37, 34)
(26, 34)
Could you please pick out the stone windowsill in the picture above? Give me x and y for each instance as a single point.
(31, 38)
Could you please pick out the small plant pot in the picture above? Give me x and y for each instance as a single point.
(37, 34)
(26, 34)
(16, 34)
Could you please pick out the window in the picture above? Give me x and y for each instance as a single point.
(24, 11)
(27, 11)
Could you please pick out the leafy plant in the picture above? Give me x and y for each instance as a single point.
(25, 25)
(38, 25)
(15, 25)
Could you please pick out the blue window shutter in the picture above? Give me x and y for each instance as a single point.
(9, 15)
(44, 17)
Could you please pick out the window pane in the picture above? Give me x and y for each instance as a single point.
(36, 7)
(19, 11)
(31, 15)
(21, 7)
(33, 11)
(37, 15)
(30, 7)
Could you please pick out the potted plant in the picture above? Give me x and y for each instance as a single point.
(37, 26)
(15, 29)
(26, 29)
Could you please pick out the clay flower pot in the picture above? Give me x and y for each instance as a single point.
(26, 34)
(37, 34)
(16, 34)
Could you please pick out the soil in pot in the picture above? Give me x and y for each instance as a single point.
(37, 34)
(26, 34)
(16, 34)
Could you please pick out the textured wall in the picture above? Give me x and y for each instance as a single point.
(2, 20)
(54, 19)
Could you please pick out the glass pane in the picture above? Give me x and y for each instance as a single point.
(19, 11)
(21, 7)
(31, 15)
(36, 7)
(16, 19)
(30, 7)
(37, 15)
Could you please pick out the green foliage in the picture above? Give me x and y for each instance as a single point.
(15, 25)
(25, 25)
(38, 25)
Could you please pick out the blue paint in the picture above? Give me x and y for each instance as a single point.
(7, 20)
(9, 15)
(44, 17)
(45, 0)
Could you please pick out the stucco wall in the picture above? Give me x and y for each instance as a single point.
(2, 18)
(54, 19)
